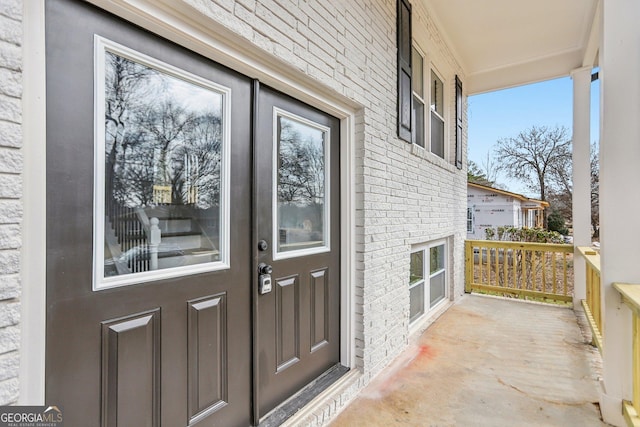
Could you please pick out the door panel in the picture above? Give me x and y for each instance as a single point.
(319, 309)
(131, 349)
(207, 352)
(297, 209)
(162, 351)
(287, 322)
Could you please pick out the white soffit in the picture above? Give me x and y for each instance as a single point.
(505, 43)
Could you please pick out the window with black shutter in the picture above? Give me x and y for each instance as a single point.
(405, 124)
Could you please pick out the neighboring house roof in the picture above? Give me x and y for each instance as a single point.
(508, 193)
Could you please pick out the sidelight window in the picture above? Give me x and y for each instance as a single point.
(161, 189)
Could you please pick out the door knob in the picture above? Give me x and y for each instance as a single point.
(264, 268)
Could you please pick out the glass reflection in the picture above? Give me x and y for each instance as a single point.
(301, 185)
(163, 159)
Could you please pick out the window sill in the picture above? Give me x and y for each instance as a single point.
(427, 155)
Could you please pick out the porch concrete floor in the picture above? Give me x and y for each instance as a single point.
(488, 362)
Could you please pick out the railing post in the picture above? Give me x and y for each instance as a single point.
(636, 364)
(631, 298)
(468, 250)
(154, 243)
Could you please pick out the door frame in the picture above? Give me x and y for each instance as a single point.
(218, 44)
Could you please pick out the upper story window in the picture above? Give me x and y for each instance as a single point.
(469, 220)
(417, 87)
(418, 113)
(429, 135)
(437, 115)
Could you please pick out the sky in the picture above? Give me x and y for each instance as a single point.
(504, 113)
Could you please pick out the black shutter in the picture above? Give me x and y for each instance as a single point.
(458, 123)
(405, 94)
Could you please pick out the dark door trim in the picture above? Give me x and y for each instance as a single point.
(255, 410)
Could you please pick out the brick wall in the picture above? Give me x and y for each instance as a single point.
(11, 167)
(405, 195)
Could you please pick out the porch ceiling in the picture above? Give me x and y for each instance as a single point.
(505, 43)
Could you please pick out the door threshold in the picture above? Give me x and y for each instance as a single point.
(296, 402)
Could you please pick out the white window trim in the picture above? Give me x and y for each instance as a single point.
(428, 311)
(326, 234)
(429, 65)
(101, 46)
(472, 222)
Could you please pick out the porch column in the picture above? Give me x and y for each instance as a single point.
(619, 199)
(581, 203)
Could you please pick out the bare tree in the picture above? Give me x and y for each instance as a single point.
(476, 175)
(484, 173)
(165, 124)
(561, 191)
(126, 84)
(533, 156)
(490, 168)
(595, 190)
(201, 154)
(301, 169)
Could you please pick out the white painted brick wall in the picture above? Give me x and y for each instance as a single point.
(404, 196)
(11, 167)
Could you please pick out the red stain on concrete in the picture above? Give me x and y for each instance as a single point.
(426, 352)
(400, 372)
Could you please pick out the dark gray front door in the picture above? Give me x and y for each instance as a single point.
(298, 235)
(148, 228)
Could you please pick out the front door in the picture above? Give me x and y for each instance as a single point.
(161, 206)
(148, 228)
(298, 233)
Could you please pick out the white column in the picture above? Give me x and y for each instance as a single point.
(619, 194)
(581, 142)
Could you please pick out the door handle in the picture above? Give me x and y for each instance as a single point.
(264, 268)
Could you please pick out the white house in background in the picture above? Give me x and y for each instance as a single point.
(489, 207)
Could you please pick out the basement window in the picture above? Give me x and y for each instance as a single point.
(427, 278)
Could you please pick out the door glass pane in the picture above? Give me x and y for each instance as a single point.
(163, 160)
(301, 179)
